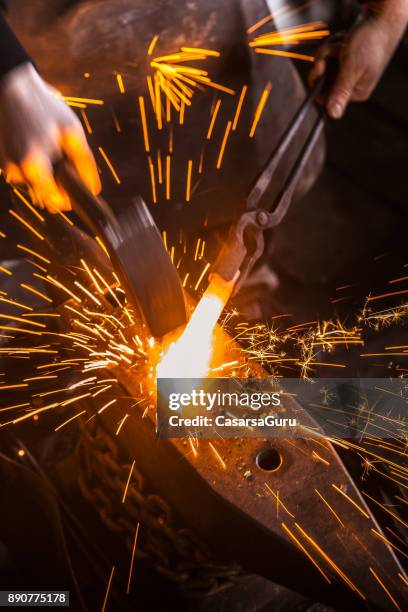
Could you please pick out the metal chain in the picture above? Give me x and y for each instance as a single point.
(173, 551)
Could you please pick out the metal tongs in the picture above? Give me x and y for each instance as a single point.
(246, 243)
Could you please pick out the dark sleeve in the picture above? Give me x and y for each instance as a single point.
(12, 53)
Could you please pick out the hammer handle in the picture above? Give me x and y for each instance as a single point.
(93, 211)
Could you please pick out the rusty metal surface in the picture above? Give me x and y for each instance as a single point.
(242, 520)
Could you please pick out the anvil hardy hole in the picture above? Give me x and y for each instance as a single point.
(269, 459)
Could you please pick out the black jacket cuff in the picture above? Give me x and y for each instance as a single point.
(12, 53)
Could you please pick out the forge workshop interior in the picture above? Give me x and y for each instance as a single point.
(203, 305)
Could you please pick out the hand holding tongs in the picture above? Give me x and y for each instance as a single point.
(246, 240)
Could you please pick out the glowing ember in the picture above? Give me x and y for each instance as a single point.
(190, 355)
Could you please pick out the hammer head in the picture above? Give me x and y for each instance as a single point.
(136, 251)
(146, 271)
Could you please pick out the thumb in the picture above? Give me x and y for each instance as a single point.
(343, 87)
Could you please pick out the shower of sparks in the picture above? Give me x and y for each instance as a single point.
(297, 348)
(291, 36)
(174, 80)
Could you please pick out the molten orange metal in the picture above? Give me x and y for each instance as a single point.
(190, 355)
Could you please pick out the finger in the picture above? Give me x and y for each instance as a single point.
(318, 69)
(75, 146)
(364, 87)
(37, 172)
(13, 174)
(322, 65)
(343, 87)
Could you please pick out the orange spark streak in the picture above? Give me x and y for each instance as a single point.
(84, 100)
(56, 283)
(329, 507)
(329, 561)
(168, 176)
(152, 180)
(188, 184)
(105, 601)
(105, 406)
(201, 276)
(259, 24)
(182, 111)
(291, 54)
(385, 589)
(26, 224)
(388, 542)
(15, 303)
(359, 508)
(20, 320)
(223, 145)
(127, 482)
(168, 110)
(41, 295)
(200, 51)
(121, 84)
(213, 118)
(385, 295)
(303, 549)
(116, 122)
(239, 107)
(27, 203)
(197, 247)
(122, 422)
(171, 139)
(158, 104)
(152, 44)
(5, 271)
(8, 387)
(113, 294)
(132, 558)
(109, 164)
(144, 123)
(159, 167)
(151, 91)
(201, 161)
(86, 122)
(88, 293)
(259, 109)
(69, 420)
(278, 500)
(92, 277)
(34, 253)
(217, 454)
